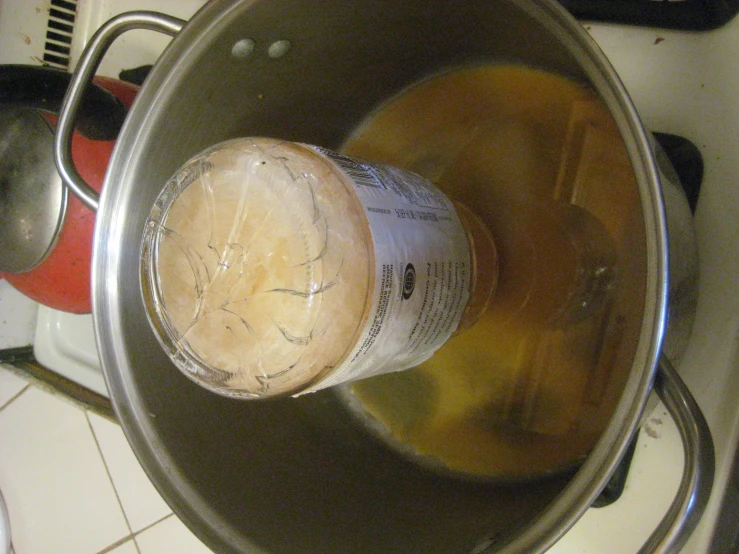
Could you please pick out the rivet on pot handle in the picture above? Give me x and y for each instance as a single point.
(84, 72)
(697, 480)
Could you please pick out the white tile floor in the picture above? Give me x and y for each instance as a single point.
(72, 483)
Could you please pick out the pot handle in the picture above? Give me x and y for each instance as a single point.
(695, 487)
(85, 71)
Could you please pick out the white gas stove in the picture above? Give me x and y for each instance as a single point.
(684, 83)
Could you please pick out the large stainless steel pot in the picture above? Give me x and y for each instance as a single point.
(297, 475)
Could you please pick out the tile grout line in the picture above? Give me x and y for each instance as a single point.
(157, 522)
(160, 520)
(15, 396)
(118, 543)
(115, 490)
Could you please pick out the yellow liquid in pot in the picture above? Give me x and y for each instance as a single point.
(531, 386)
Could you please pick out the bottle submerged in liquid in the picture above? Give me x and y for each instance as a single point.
(275, 268)
(272, 268)
(529, 389)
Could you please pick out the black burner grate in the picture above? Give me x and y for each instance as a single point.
(694, 15)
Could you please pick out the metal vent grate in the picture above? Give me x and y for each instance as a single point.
(59, 30)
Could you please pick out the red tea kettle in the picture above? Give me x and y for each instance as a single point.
(46, 235)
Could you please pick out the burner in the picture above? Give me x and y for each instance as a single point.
(687, 162)
(694, 15)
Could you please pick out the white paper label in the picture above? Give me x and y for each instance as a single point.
(422, 277)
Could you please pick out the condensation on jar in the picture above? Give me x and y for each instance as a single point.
(275, 268)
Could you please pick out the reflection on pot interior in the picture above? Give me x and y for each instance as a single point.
(531, 386)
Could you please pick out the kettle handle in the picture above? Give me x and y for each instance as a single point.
(86, 68)
(697, 481)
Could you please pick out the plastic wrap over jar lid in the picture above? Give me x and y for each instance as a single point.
(254, 271)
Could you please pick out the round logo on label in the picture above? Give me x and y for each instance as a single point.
(409, 281)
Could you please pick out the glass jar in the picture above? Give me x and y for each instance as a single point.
(276, 268)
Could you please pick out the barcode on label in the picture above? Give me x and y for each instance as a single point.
(379, 210)
(357, 172)
(416, 215)
(362, 176)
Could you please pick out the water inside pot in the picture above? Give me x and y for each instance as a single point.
(529, 389)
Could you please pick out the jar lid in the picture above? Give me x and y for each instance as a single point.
(255, 280)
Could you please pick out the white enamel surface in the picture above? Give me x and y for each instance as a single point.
(65, 343)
